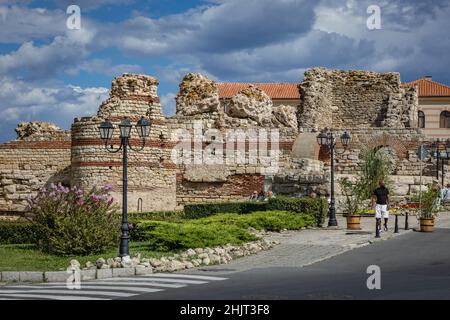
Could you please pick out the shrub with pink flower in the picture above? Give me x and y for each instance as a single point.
(75, 222)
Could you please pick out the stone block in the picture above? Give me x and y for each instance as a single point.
(56, 276)
(27, 276)
(104, 273)
(123, 272)
(88, 274)
(141, 270)
(10, 276)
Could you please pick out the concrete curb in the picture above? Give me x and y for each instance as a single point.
(63, 276)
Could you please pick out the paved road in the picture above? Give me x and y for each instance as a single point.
(414, 266)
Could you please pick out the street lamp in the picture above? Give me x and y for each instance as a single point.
(437, 146)
(106, 133)
(327, 139)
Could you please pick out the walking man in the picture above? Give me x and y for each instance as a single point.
(381, 194)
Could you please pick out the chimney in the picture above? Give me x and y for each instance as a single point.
(430, 78)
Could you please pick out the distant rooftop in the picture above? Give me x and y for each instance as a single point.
(274, 90)
(289, 91)
(429, 88)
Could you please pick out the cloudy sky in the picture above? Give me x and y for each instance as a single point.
(51, 73)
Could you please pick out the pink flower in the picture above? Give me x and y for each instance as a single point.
(95, 198)
(110, 201)
(108, 187)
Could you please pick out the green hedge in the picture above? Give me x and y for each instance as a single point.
(18, 232)
(216, 230)
(201, 210)
(174, 215)
(315, 206)
(169, 236)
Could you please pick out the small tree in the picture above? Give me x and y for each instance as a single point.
(428, 207)
(353, 195)
(374, 168)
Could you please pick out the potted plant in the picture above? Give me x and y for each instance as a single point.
(352, 194)
(428, 208)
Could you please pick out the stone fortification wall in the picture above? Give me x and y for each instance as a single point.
(249, 112)
(151, 177)
(358, 99)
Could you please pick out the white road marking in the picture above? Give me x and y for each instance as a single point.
(38, 296)
(73, 292)
(139, 280)
(91, 283)
(94, 286)
(174, 275)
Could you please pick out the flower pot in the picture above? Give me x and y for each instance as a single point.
(354, 222)
(426, 224)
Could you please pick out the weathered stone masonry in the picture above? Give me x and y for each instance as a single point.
(39, 156)
(373, 107)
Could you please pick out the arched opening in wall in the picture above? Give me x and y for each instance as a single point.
(444, 119)
(324, 154)
(421, 119)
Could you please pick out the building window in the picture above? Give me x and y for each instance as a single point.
(444, 120)
(421, 119)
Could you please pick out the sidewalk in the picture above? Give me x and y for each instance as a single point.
(305, 247)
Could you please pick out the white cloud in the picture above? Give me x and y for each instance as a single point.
(168, 104)
(22, 101)
(104, 66)
(19, 24)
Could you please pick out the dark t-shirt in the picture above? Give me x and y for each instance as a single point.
(382, 194)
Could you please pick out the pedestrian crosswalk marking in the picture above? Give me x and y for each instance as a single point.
(157, 280)
(92, 286)
(104, 289)
(193, 276)
(58, 297)
(130, 283)
(73, 292)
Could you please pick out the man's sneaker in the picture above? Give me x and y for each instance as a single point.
(385, 228)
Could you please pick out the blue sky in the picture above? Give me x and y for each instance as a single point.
(51, 73)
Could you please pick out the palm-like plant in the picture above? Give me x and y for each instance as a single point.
(375, 167)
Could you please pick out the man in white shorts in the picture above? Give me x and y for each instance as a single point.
(381, 194)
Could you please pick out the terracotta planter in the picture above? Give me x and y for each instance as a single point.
(426, 224)
(354, 222)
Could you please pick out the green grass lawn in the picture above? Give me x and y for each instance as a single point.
(158, 238)
(26, 257)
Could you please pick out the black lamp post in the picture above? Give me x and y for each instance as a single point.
(437, 146)
(327, 139)
(106, 133)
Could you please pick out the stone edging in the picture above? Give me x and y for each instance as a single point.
(126, 266)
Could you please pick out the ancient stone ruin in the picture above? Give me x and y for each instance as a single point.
(279, 148)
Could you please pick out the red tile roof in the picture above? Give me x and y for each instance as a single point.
(273, 90)
(429, 88)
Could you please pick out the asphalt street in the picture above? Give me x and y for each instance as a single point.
(413, 266)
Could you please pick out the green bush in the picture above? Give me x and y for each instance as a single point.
(168, 236)
(201, 210)
(216, 230)
(18, 232)
(317, 207)
(157, 215)
(74, 222)
(264, 220)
